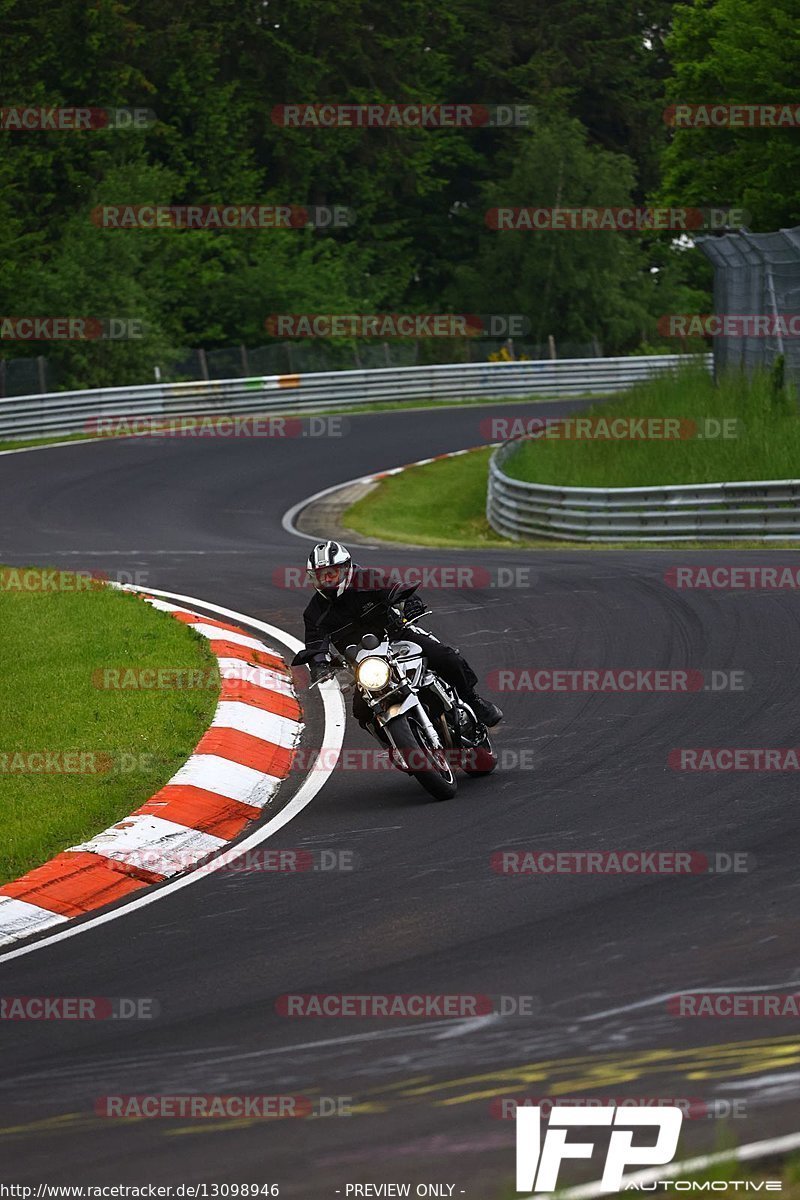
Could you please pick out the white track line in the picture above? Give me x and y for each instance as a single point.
(749, 1153)
(314, 780)
(662, 998)
(288, 518)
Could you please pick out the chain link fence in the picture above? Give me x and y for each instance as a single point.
(36, 375)
(756, 275)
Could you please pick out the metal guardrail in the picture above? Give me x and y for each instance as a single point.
(76, 412)
(683, 512)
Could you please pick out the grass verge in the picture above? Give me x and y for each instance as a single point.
(440, 504)
(765, 444)
(443, 503)
(131, 741)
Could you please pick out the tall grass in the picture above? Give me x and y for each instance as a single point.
(766, 443)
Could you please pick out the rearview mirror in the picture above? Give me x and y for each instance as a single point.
(398, 592)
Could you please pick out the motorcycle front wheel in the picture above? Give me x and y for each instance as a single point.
(429, 767)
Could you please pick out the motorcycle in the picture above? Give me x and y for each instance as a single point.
(417, 716)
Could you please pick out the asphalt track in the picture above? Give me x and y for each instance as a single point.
(423, 911)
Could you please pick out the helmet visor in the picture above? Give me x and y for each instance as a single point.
(330, 577)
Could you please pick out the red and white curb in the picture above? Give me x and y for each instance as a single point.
(234, 772)
(288, 521)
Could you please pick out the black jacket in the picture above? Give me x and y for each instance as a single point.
(346, 618)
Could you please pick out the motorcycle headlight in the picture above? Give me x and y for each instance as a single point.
(373, 673)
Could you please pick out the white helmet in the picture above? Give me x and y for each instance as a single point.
(330, 568)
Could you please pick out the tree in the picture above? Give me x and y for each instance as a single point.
(741, 52)
(576, 284)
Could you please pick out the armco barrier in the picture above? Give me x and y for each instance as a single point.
(74, 412)
(683, 512)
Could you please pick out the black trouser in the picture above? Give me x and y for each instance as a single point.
(444, 660)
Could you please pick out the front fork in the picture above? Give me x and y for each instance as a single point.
(411, 704)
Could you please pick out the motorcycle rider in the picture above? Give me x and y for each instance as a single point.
(347, 605)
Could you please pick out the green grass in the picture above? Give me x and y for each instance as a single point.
(767, 445)
(53, 641)
(24, 444)
(441, 504)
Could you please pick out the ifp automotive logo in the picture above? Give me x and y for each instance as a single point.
(538, 1164)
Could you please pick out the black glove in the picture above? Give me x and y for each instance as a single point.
(413, 607)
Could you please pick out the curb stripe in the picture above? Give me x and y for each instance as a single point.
(20, 919)
(73, 883)
(234, 772)
(244, 692)
(312, 783)
(232, 781)
(261, 677)
(190, 618)
(246, 718)
(247, 750)
(208, 811)
(145, 841)
(235, 639)
(258, 658)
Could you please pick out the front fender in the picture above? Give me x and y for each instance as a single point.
(401, 708)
